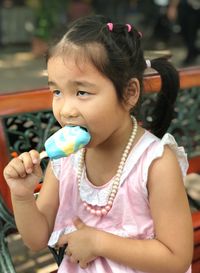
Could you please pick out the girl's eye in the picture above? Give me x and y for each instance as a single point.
(56, 93)
(82, 93)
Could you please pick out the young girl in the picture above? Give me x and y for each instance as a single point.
(119, 204)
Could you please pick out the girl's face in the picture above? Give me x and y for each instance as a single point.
(83, 96)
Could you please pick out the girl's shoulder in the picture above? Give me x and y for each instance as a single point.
(149, 148)
(156, 150)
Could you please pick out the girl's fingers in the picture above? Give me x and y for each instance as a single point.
(73, 260)
(23, 165)
(10, 171)
(62, 240)
(78, 223)
(35, 156)
(68, 252)
(83, 265)
(27, 161)
(16, 168)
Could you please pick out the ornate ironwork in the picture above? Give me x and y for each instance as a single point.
(185, 126)
(29, 131)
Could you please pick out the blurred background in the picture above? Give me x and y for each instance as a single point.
(26, 27)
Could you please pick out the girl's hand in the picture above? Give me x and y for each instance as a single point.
(81, 244)
(22, 174)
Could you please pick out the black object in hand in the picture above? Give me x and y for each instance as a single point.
(58, 254)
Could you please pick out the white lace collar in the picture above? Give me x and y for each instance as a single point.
(98, 196)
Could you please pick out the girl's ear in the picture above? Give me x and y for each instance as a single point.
(132, 93)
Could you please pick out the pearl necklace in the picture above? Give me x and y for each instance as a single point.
(100, 211)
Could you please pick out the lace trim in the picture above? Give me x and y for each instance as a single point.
(94, 195)
(167, 139)
(98, 196)
(179, 151)
(55, 165)
(56, 234)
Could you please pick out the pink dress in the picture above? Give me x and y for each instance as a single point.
(130, 215)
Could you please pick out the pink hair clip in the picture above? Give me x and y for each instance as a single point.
(110, 26)
(129, 27)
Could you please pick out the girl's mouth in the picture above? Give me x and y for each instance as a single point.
(75, 125)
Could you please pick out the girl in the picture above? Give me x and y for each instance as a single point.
(119, 204)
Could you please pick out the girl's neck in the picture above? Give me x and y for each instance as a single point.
(102, 161)
(99, 177)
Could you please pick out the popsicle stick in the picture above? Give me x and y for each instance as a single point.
(43, 154)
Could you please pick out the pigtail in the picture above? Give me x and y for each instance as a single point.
(163, 112)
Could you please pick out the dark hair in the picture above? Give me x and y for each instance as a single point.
(119, 56)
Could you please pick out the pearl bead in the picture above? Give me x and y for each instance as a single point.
(98, 213)
(123, 158)
(108, 207)
(93, 211)
(112, 194)
(104, 210)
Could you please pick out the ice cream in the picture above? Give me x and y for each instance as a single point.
(65, 141)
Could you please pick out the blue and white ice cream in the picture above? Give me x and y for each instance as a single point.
(66, 141)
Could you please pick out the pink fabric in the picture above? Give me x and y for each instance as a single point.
(130, 215)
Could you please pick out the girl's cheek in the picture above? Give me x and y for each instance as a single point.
(56, 114)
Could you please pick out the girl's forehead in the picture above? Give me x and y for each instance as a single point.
(63, 71)
(64, 64)
(90, 54)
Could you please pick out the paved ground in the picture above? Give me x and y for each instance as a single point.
(20, 70)
(26, 261)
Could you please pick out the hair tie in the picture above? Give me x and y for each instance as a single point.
(148, 63)
(110, 26)
(129, 27)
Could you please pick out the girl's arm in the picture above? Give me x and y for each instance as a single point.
(34, 220)
(169, 252)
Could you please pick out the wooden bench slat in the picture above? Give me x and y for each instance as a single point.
(196, 255)
(196, 220)
(4, 190)
(27, 101)
(189, 77)
(194, 166)
(196, 267)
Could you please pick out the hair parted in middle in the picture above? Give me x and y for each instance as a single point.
(116, 52)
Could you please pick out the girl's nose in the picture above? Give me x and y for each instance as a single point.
(69, 111)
